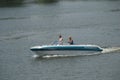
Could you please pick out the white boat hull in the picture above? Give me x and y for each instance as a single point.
(67, 53)
(64, 49)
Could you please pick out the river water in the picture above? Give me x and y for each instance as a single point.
(88, 22)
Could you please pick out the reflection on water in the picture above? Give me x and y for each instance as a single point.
(46, 1)
(11, 3)
(16, 3)
(12, 18)
(115, 10)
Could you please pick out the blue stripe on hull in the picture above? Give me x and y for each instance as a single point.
(67, 48)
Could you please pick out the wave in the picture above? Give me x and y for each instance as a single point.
(12, 18)
(110, 50)
(64, 56)
(115, 10)
(16, 36)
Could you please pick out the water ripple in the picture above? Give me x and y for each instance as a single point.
(12, 18)
(115, 10)
(16, 36)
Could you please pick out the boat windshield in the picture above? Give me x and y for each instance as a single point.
(55, 43)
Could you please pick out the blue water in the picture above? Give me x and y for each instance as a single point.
(88, 22)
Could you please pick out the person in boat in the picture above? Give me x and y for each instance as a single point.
(60, 40)
(70, 40)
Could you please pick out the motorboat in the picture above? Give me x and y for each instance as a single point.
(59, 49)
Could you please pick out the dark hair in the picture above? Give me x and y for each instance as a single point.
(60, 36)
(70, 38)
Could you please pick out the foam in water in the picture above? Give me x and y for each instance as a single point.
(109, 50)
(61, 56)
(35, 56)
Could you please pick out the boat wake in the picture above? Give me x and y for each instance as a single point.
(105, 51)
(111, 50)
(64, 56)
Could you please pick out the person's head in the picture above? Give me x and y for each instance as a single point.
(60, 36)
(70, 38)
